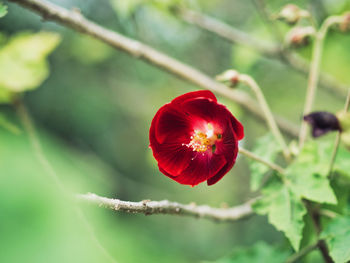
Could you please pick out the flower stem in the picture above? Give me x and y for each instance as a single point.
(337, 139)
(252, 156)
(250, 82)
(315, 71)
(302, 253)
(28, 125)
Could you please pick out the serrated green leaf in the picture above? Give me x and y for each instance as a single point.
(8, 125)
(309, 185)
(337, 236)
(284, 209)
(259, 252)
(267, 148)
(308, 174)
(23, 63)
(3, 10)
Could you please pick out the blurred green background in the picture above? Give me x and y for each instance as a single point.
(93, 114)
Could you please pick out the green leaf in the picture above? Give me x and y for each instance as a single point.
(8, 125)
(259, 252)
(284, 209)
(3, 10)
(267, 148)
(308, 174)
(23, 64)
(337, 236)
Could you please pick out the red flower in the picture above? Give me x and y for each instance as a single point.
(195, 139)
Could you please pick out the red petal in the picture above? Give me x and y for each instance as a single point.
(194, 95)
(228, 147)
(201, 168)
(220, 174)
(237, 127)
(171, 125)
(172, 155)
(172, 158)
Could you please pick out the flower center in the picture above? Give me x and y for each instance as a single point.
(201, 142)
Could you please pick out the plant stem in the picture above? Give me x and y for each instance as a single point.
(35, 142)
(315, 215)
(254, 157)
(302, 253)
(315, 71)
(250, 82)
(29, 127)
(337, 139)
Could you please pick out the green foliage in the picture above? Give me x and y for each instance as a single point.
(3, 10)
(285, 210)
(337, 236)
(258, 170)
(23, 64)
(308, 174)
(259, 252)
(305, 178)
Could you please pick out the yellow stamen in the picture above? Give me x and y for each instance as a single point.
(201, 142)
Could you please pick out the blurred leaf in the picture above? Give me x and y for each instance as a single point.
(337, 236)
(89, 50)
(8, 125)
(23, 63)
(284, 209)
(259, 252)
(244, 57)
(3, 10)
(267, 148)
(6, 96)
(126, 8)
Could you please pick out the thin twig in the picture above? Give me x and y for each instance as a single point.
(315, 71)
(252, 156)
(148, 207)
(250, 82)
(337, 138)
(75, 20)
(267, 49)
(302, 252)
(29, 127)
(35, 142)
(226, 31)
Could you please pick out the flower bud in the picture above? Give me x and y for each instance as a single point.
(229, 77)
(344, 122)
(300, 36)
(344, 26)
(322, 122)
(291, 14)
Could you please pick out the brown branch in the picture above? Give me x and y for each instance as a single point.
(148, 207)
(270, 50)
(74, 20)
